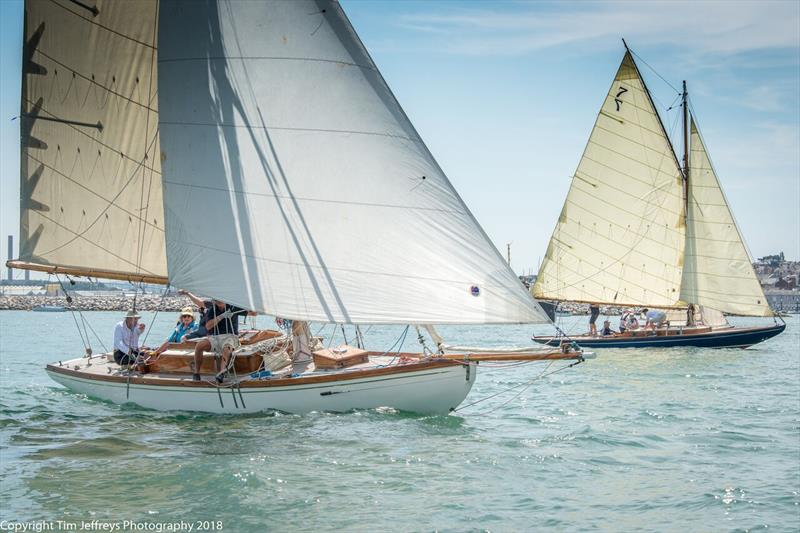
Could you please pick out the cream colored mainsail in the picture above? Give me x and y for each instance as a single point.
(620, 236)
(90, 172)
(718, 271)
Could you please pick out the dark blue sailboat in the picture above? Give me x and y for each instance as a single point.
(641, 229)
(729, 337)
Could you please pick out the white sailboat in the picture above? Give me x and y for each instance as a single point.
(253, 153)
(639, 230)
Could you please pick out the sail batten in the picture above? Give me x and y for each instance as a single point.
(620, 237)
(719, 271)
(317, 198)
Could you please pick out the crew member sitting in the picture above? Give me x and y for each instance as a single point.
(200, 330)
(607, 331)
(126, 339)
(184, 327)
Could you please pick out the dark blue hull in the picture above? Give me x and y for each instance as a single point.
(726, 338)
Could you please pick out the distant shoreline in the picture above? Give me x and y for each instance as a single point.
(147, 302)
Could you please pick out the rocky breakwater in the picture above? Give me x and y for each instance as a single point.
(147, 302)
(583, 309)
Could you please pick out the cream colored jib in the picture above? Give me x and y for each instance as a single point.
(296, 185)
(718, 270)
(90, 174)
(620, 236)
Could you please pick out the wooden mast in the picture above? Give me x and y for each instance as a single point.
(685, 153)
(684, 103)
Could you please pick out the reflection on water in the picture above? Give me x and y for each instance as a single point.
(673, 439)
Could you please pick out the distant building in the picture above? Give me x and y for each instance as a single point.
(772, 260)
(786, 301)
(22, 290)
(86, 294)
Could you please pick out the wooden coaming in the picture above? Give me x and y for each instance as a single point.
(275, 382)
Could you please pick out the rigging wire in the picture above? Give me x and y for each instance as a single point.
(88, 326)
(525, 386)
(84, 341)
(655, 71)
(158, 309)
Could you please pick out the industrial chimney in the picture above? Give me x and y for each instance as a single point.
(10, 256)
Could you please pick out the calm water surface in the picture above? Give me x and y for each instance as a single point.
(646, 440)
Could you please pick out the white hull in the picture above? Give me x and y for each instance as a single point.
(427, 390)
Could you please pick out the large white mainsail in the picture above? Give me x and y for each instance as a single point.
(718, 271)
(620, 236)
(296, 185)
(90, 173)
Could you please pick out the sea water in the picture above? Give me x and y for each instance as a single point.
(635, 440)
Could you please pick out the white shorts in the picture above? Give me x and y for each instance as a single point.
(219, 342)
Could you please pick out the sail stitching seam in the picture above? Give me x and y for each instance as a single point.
(287, 128)
(599, 181)
(81, 236)
(306, 199)
(90, 21)
(95, 82)
(101, 143)
(588, 278)
(628, 175)
(644, 163)
(658, 152)
(641, 235)
(619, 260)
(590, 292)
(350, 270)
(76, 182)
(90, 226)
(261, 58)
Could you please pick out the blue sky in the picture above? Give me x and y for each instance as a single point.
(505, 95)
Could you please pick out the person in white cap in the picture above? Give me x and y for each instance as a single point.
(126, 339)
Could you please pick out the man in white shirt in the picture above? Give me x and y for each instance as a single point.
(126, 339)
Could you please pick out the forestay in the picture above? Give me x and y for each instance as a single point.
(718, 270)
(620, 236)
(296, 185)
(90, 173)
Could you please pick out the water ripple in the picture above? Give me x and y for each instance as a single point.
(657, 440)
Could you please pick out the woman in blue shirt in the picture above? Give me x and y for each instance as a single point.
(185, 326)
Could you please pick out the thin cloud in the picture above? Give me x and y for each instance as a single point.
(705, 27)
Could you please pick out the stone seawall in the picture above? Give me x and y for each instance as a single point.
(147, 302)
(153, 302)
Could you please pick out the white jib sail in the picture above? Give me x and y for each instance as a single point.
(296, 185)
(718, 270)
(620, 236)
(90, 173)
